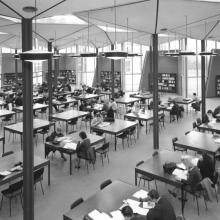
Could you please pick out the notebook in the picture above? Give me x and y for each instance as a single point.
(71, 146)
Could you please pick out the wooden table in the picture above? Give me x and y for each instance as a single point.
(63, 93)
(182, 101)
(199, 142)
(69, 115)
(109, 199)
(6, 163)
(68, 101)
(94, 140)
(153, 167)
(18, 127)
(87, 97)
(4, 113)
(2, 103)
(147, 96)
(146, 116)
(115, 128)
(126, 101)
(36, 106)
(212, 126)
(95, 108)
(106, 93)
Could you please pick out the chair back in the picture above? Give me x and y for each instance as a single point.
(173, 141)
(91, 155)
(194, 125)
(105, 183)
(38, 174)
(76, 203)
(7, 153)
(105, 146)
(198, 121)
(15, 187)
(139, 163)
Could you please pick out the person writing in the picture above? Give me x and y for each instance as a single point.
(163, 210)
(128, 214)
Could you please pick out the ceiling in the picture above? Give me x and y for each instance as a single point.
(180, 17)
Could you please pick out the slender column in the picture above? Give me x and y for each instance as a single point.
(155, 91)
(28, 154)
(113, 73)
(16, 68)
(150, 81)
(56, 69)
(203, 86)
(49, 81)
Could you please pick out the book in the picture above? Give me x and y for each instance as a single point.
(71, 146)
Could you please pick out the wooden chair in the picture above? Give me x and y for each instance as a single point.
(175, 148)
(7, 153)
(103, 151)
(76, 203)
(38, 177)
(123, 136)
(145, 178)
(105, 184)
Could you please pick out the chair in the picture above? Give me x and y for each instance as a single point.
(43, 111)
(7, 153)
(38, 177)
(44, 131)
(194, 125)
(175, 148)
(73, 122)
(85, 119)
(76, 203)
(145, 178)
(198, 121)
(131, 132)
(7, 119)
(13, 191)
(215, 184)
(162, 120)
(103, 151)
(105, 184)
(123, 136)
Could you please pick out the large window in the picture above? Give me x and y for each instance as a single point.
(37, 73)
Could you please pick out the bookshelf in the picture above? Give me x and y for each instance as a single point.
(106, 78)
(64, 75)
(218, 85)
(10, 78)
(167, 82)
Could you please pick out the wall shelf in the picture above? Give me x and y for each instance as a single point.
(167, 82)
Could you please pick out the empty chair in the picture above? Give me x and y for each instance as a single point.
(103, 151)
(38, 177)
(13, 191)
(76, 203)
(123, 136)
(194, 125)
(44, 131)
(187, 132)
(105, 183)
(175, 148)
(145, 178)
(7, 153)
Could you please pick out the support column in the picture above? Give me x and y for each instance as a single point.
(28, 154)
(203, 85)
(155, 91)
(56, 69)
(113, 73)
(16, 68)
(49, 82)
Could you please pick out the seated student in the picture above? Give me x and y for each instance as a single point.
(110, 117)
(196, 102)
(136, 110)
(175, 111)
(207, 117)
(105, 106)
(18, 100)
(53, 136)
(113, 104)
(128, 214)
(163, 210)
(96, 120)
(206, 166)
(82, 147)
(216, 111)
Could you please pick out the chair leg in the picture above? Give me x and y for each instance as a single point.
(107, 157)
(205, 203)
(1, 202)
(42, 187)
(148, 185)
(216, 194)
(155, 184)
(197, 202)
(139, 182)
(102, 159)
(10, 206)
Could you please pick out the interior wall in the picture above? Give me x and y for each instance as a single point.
(165, 65)
(213, 71)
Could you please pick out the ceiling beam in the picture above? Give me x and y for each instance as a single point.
(7, 39)
(214, 26)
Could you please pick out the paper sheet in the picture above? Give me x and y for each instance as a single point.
(5, 173)
(104, 124)
(95, 215)
(217, 140)
(71, 146)
(141, 194)
(181, 166)
(180, 174)
(148, 205)
(117, 215)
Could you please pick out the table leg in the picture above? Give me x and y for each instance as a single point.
(138, 130)
(182, 200)
(115, 142)
(135, 177)
(146, 127)
(3, 149)
(48, 172)
(70, 164)
(21, 142)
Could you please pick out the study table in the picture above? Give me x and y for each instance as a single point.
(106, 93)
(68, 116)
(8, 162)
(143, 116)
(114, 128)
(199, 142)
(51, 146)
(87, 97)
(68, 101)
(153, 167)
(36, 106)
(211, 126)
(126, 101)
(183, 101)
(18, 127)
(144, 96)
(5, 113)
(106, 200)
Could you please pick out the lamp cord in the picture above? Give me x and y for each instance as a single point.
(115, 24)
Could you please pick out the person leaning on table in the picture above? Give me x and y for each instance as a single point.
(163, 210)
(128, 214)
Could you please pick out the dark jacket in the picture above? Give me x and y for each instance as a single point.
(205, 119)
(216, 111)
(163, 210)
(82, 148)
(206, 166)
